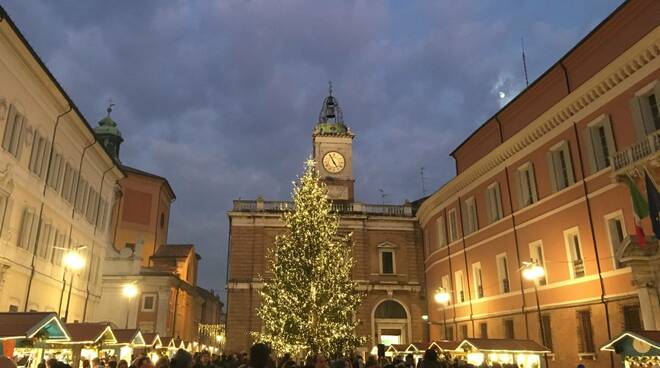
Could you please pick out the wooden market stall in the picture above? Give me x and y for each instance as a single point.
(128, 340)
(446, 349)
(637, 349)
(155, 346)
(527, 353)
(395, 350)
(417, 350)
(169, 345)
(88, 341)
(25, 335)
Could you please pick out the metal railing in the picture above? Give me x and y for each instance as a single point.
(505, 285)
(578, 268)
(343, 208)
(638, 151)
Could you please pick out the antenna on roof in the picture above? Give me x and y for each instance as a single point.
(421, 174)
(382, 195)
(522, 46)
(330, 88)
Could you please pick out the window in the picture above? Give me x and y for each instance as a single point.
(503, 272)
(560, 165)
(494, 200)
(453, 225)
(39, 155)
(59, 244)
(55, 172)
(446, 285)
(616, 233)
(585, 332)
(387, 261)
(526, 185)
(69, 183)
(4, 205)
(13, 308)
(469, 212)
(574, 250)
(464, 331)
(632, 320)
(645, 109)
(148, 302)
(547, 331)
(103, 215)
(450, 333)
(508, 329)
(440, 231)
(45, 240)
(600, 141)
(13, 132)
(478, 280)
(483, 330)
(28, 233)
(460, 293)
(536, 255)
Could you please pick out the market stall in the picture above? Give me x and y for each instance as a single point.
(525, 353)
(26, 335)
(169, 347)
(155, 346)
(395, 350)
(637, 349)
(88, 341)
(128, 340)
(446, 349)
(417, 350)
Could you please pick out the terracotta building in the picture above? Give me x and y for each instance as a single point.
(386, 239)
(168, 301)
(539, 182)
(57, 185)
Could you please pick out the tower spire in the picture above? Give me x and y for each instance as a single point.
(330, 88)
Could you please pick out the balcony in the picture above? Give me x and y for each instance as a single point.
(578, 268)
(639, 153)
(505, 286)
(356, 208)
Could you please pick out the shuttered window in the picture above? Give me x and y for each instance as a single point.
(13, 132)
(585, 332)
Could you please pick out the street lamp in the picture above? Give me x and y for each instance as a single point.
(129, 291)
(72, 261)
(533, 272)
(442, 297)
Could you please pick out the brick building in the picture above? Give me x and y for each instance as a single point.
(386, 238)
(539, 181)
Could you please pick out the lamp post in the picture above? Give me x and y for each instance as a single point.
(73, 262)
(129, 291)
(532, 271)
(442, 297)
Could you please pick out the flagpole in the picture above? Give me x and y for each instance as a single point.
(646, 170)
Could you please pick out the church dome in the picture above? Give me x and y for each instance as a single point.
(107, 126)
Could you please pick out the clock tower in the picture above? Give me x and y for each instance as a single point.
(333, 153)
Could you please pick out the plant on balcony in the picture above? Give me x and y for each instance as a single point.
(309, 303)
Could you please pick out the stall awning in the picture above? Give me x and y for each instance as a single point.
(152, 339)
(444, 345)
(29, 325)
(416, 347)
(396, 348)
(168, 342)
(91, 333)
(640, 343)
(502, 345)
(131, 337)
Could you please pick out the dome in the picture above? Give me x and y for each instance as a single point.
(107, 126)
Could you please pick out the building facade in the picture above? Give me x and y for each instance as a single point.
(57, 187)
(540, 182)
(387, 248)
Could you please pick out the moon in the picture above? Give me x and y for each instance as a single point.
(501, 94)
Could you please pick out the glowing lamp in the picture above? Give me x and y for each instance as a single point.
(129, 290)
(441, 296)
(533, 272)
(73, 260)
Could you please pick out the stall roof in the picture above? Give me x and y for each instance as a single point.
(152, 339)
(396, 348)
(415, 347)
(22, 325)
(129, 336)
(651, 338)
(500, 345)
(91, 333)
(168, 342)
(443, 345)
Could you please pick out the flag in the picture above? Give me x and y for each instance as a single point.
(640, 209)
(654, 204)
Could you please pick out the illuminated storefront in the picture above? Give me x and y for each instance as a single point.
(636, 349)
(88, 341)
(26, 336)
(503, 351)
(127, 341)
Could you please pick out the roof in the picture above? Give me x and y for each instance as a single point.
(129, 336)
(416, 346)
(502, 345)
(167, 341)
(152, 338)
(22, 325)
(133, 170)
(444, 345)
(397, 348)
(559, 63)
(650, 337)
(4, 16)
(90, 332)
(174, 251)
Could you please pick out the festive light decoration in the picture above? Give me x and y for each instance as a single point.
(309, 303)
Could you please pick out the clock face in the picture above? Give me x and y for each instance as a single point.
(333, 162)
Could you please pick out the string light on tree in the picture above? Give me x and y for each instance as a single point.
(309, 304)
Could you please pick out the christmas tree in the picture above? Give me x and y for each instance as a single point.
(308, 306)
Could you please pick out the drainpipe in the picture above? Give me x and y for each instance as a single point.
(593, 240)
(176, 305)
(96, 223)
(114, 234)
(568, 82)
(467, 272)
(41, 209)
(153, 252)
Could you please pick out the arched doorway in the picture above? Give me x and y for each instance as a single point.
(391, 323)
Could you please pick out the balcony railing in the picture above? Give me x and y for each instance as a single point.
(480, 291)
(578, 268)
(638, 151)
(343, 208)
(505, 285)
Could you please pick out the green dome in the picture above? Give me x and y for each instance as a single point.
(107, 126)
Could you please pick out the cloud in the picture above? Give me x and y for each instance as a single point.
(221, 97)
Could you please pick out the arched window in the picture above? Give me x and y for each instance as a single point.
(390, 309)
